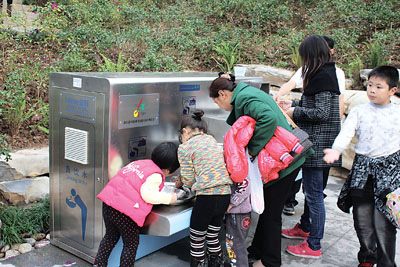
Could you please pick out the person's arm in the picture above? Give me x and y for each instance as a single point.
(295, 82)
(285, 88)
(347, 132)
(188, 177)
(150, 191)
(341, 105)
(320, 112)
(342, 87)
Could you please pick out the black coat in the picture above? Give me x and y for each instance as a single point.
(319, 116)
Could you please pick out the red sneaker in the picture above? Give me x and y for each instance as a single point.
(366, 264)
(304, 251)
(294, 233)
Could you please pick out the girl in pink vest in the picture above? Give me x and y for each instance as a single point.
(129, 197)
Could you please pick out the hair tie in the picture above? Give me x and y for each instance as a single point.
(226, 75)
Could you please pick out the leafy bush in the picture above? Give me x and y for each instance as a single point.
(176, 35)
(353, 70)
(375, 54)
(17, 221)
(229, 55)
(110, 66)
(5, 149)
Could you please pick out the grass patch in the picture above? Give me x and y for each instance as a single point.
(30, 220)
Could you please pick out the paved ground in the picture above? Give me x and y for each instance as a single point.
(339, 245)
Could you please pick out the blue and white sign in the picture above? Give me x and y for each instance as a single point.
(78, 106)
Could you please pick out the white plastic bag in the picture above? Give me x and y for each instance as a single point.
(256, 186)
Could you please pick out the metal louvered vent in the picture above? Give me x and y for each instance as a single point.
(76, 145)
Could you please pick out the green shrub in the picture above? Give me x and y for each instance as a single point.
(375, 54)
(17, 221)
(5, 149)
(228, 54)
(41, 111)
(109, 66)
(354, 67)
(176, 35)
(14, 109)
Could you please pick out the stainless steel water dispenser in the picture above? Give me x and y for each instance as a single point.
(100, 122)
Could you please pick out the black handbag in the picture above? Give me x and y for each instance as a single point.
(301, 135)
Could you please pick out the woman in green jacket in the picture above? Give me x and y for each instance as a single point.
(241, 99)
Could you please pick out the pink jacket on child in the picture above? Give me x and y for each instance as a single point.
(123, 191)
(273, 158)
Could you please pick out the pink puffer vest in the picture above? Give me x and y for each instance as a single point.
(123, 191)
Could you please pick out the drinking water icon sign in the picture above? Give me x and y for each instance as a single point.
(75, 201)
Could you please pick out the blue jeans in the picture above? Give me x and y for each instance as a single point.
(313, 219)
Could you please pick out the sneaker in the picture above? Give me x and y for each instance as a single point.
(288, 209)
(294, 233)
(366, 264)
(304, 251)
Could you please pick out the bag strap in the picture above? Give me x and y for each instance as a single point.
(288, 118)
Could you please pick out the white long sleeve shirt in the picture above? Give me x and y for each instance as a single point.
(150, 190)
(377, 128)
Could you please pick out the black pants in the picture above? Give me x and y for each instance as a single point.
(205, 224)
(266, 244)
(118, 224)
(376, 234)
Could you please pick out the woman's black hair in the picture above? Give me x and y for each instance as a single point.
(165, 156)
(225, 81)
(194, 121)
(314, 52)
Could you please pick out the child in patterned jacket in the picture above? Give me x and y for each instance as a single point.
(203, 170)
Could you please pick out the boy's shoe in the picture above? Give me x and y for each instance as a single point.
(294, 233)
(304, 251)
(288, 209)
(366, 264)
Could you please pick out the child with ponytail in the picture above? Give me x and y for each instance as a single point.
(203, 169)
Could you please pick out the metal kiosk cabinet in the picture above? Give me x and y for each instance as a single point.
(100, 122)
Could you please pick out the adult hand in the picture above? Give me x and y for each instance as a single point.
(277, 97)
(331, 155)
(174, 198)
(285, 104)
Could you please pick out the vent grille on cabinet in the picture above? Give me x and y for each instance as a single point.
(76, 145)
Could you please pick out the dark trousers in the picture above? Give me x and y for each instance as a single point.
(313, 218)
(237, 227)
(376, 234)
(266, 244)
(296, 188)
(209, 210)
(118, 224)
(205, 223)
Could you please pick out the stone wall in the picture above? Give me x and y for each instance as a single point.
(24, 179)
